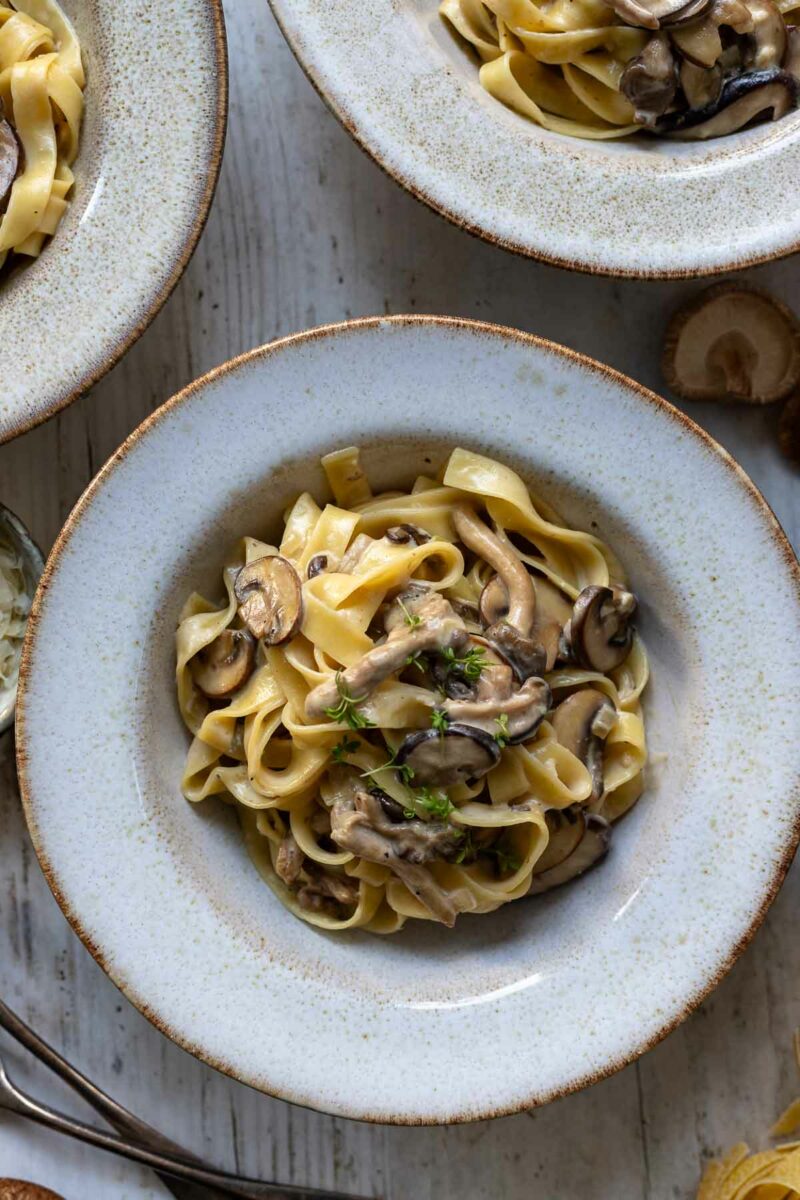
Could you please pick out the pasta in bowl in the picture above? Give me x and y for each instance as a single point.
(422, 703)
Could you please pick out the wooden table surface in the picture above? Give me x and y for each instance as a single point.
(305, 229)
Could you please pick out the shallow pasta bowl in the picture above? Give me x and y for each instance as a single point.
(149, 156)
(410, 95)
(375, 1027)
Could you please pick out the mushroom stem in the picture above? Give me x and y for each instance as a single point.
(482, 541)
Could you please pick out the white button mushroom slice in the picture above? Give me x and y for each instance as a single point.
(581, 724)
(441, 759)
(592, 847)
(270, 598)
(224, 665)
(733, 342)
(9, 158)
(440, 629)
(599, 634)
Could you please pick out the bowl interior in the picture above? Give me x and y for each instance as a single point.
(407, 88)
(142, 190)
(629, 949)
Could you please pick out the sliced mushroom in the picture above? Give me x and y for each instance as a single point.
(316, 565)
(524, 655)
(599, 632)
(581, 724)
(270, 598)
(591, 848)
(521, 709)
(458, 754)
(768, 43)
(566, 827)
(701, 86)
(225, 665)
(438, 629)
(479, 538)
(392, 809)
(657, 14)
(9, 159)
(700, 42)
(742, 99)
(402, 534)
(732, 342)
(553, 611)
(650, 80)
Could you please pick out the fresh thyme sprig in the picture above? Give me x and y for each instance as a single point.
(404, 771)
(469, 666)
(502, 736)
(437, 804)
(343, 748)
(506, 863)
(440, 721)
(417, 660)
(346, 711)
(412, 620)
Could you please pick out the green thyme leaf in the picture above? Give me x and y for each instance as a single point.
(343, 748)
(502, 736)
(440, 720)
(469, 665)
(411, 619)
(346, 711)
(436, 804)
(417, 660)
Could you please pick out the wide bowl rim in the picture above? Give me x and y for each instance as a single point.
(204, 199)
(481, 231)
(778, 868)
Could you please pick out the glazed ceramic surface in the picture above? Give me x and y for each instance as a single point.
(507, 1010)
(151, 145)
(409, 94)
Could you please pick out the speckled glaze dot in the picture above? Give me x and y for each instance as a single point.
(409, 94)
(150, 152)
(549, 994)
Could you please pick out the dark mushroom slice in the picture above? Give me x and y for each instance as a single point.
(270, 598)
(650, 80)
(592, 847)
(466, 609)
(553, 611)
(742, 99)
(599, 633)
(224, 665)
(566, 826)
(391, 807)
(316, 565)
(479, 538)
(9, 159)
(525, 656)
(497, 708)
(457, 754)
(581, 724)
(732, 342)
(401, 535)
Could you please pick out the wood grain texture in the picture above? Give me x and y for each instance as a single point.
(305, 229)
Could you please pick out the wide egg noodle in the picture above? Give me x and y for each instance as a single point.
(41, 89)
(260, 752)
(559, 63)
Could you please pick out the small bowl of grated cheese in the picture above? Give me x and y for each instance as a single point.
(21, 565)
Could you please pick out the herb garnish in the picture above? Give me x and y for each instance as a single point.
(343, 748)
(440, 721)
(417, 660)
(505, 862)
(405, 772)
(437, 804)
(412, 620)
(469, 666)
(346, 711)
(502, 736)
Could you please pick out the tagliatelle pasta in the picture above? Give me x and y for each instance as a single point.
(421, 703)
(768, 1175)
(41, 98)
(603, 69)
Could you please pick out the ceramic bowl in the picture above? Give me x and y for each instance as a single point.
(151, 146)
(30, 556)
(547, 995)
(409, 94)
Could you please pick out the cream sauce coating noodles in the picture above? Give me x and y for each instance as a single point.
(41, 98)
(421, 703)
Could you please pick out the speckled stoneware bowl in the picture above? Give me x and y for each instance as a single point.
(409, 94)
(151, 146)
(507, 1010)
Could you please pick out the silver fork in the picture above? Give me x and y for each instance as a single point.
(187, 1176)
